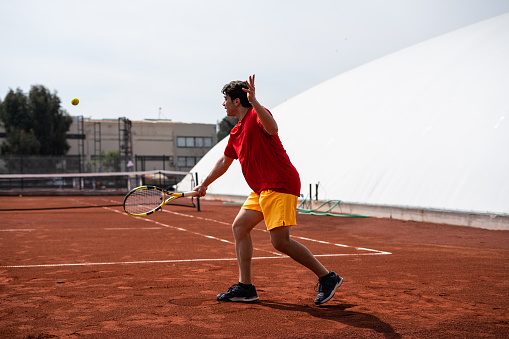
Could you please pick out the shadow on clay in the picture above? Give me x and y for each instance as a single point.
(340, 314)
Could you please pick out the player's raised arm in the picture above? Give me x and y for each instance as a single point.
(268, 121)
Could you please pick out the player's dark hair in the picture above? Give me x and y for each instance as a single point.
(234, 91)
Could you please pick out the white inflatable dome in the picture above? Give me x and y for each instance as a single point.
(425, 127)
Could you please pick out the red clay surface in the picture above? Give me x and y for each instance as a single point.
(96, 272)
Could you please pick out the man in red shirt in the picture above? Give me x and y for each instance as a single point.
(276, 187)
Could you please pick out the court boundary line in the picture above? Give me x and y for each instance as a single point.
(293, 236)
(170, 261)
(275, 254)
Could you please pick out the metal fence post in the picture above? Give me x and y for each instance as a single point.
(197, 199)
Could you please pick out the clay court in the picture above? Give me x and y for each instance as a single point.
(96, 272)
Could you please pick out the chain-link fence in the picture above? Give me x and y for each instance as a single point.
(21, 164)
(33, 164)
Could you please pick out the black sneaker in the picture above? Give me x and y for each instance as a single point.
(327, 287)
(237, 293)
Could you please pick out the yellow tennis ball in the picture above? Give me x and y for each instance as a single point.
(75, 101)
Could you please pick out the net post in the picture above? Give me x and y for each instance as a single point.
(310, 193)
(197, 199)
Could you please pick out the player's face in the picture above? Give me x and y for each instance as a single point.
(229, 105)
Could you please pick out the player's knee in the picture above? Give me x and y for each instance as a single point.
(280, 244)
(239, 229)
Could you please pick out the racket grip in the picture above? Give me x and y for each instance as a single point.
(190, 194)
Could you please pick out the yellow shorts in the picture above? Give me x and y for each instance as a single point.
(279, 209)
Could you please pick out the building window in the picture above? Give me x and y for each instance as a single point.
(187, 161)
(181, 142)
(194, 142)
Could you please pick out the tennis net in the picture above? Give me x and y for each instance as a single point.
(90, 183)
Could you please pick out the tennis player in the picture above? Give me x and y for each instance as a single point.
(275, 182)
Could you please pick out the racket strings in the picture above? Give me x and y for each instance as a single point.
(143, 201)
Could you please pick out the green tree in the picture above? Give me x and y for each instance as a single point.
(225, 126)
(22, 142)
(16, 120)
(34, 124)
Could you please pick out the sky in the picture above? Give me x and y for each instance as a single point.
(170, 59)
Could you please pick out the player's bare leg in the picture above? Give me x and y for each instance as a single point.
(244, 223)
(243, 291)
(328, 282)
(280, 238)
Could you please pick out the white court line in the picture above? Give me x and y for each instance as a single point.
(186, 230)
(131, 228)
(341, 245)
(293, 236)
(106, 228)
(277, 255)
(175, 261)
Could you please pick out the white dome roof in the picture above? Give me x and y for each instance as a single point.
(427, 126)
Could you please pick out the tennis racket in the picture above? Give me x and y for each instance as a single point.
(144, 200)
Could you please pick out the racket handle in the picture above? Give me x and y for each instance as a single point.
(189, 194)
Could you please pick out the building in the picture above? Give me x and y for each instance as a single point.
(138, 145)
(142, 145)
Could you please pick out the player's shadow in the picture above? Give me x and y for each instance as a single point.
(340, 314)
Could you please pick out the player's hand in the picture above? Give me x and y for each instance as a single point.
(251, 95)
(201, 190)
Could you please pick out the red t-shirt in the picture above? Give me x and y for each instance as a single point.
(263, 159)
